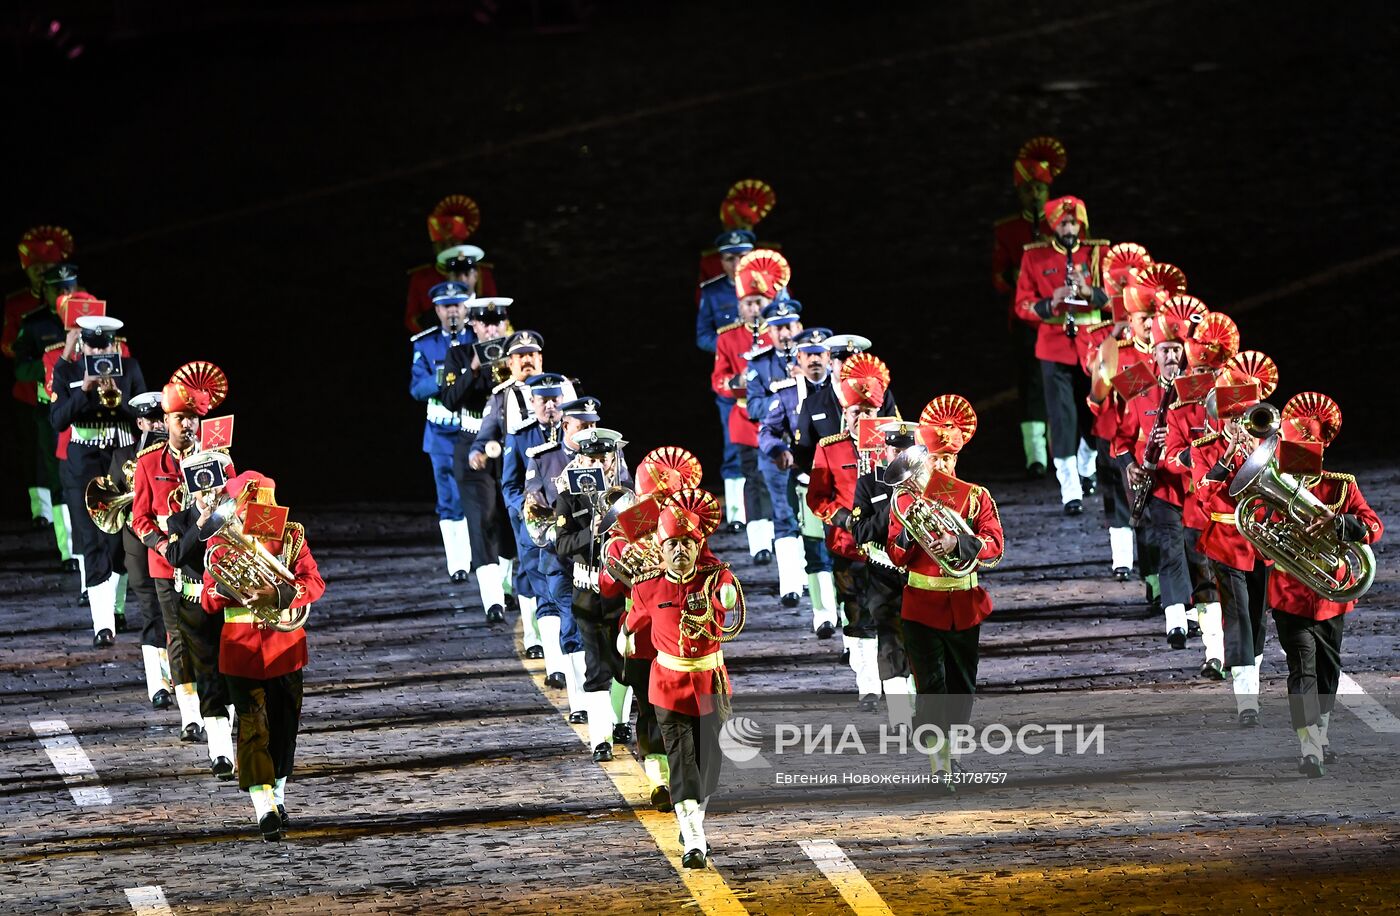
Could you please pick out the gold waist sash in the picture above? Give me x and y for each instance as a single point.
(703, 663)
(942, 583)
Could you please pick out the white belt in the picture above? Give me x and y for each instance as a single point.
(469, 422)
(585, 577)
(441, 416)
(874, 553)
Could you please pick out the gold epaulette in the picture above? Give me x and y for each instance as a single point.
(150, 448)
(56, 346)
(646, 576)
(1097, 326)
(728, 327)
(1030, 245)
(295, 537)
(1095, 242)
(712, 567)
(833, 439)
(1205, 440)
(1338, 475)
(1126, 342)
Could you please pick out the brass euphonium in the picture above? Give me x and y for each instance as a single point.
(926, 520)
(109, 507)
(1335, 569)
(247, 565)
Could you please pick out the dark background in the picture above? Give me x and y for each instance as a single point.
(247, 184)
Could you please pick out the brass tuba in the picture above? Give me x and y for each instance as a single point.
(109, 507)
(1335, 569)
(926, 520)
(248, 565)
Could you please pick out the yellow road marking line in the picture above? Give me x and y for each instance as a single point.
(705, 885)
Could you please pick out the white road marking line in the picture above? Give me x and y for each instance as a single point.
(1367, 708)
(148, 901)
(71, 761)
(846, 878)
(706, 885)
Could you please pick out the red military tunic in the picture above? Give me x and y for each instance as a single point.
(1220, 538)
(245, 649)
(154, 484)
(930, 597)
(1139, 416)
(731, 343)
(1010, 236)
(1185, 424)
(833, 487)
(657, 601)
(1339, 493)
(1109, 414)
(1043, 272)
(418, 314)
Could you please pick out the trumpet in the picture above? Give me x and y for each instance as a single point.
(247, 566)
(926, 520)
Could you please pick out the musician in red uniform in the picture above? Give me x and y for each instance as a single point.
(688, 607)
(261, 664)
(1047, 297)
(831, 496)
(942, 613)
(157, 492)
(1038, 163)
(40, 248)
(451, 223)
(1144, 422)
(760, 276)
(1310, 625)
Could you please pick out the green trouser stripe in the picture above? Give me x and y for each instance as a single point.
(60, 534)
(619, 696)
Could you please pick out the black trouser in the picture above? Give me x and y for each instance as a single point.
(884, 594)
(1314, 651)
(757, 503)
(200, 634)
(269, 714)
(1243, 597)
(1169, 536)
(1117, 510)
(944, 664)
(601, 660)
(692, 750)
(181, 668)
(1149, 556)
(849, 576)
(1203, 585)
(102, 552)
(1066, 407)
(488, 525)
(636, 673)
(140, 584)
(1030, 386)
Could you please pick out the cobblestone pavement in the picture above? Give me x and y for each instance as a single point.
(436, 774)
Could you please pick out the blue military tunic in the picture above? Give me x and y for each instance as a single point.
(719, 306)
(442, 427)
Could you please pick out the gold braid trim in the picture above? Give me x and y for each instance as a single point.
(834, 438)
(992, 564)
(697, 626)
(1205, 440)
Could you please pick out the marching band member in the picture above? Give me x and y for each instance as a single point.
(578, 542)
(631, 551)
(451, 223)
(942, 613)
(771, 369)
(157, 493)
(1309, 623)
(150, 424)
(262, 664)
(544, 480)
(97, 413)
(1058, 302)
(442, 426)
(1240, 571)
(40, 249)
(777, 435)
(883, 586)
(691, 609)
(1038, 163)
(533, 594)
(831, 496)
(719, 310)
(746, 204)
(758, 278)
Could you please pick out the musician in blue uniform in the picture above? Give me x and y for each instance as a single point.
(719, 306)
(776, 434)
(442, 427)
(546, 392)
(771, 370)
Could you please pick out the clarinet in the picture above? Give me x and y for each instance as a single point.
(1071, 328)
(1151, 458)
